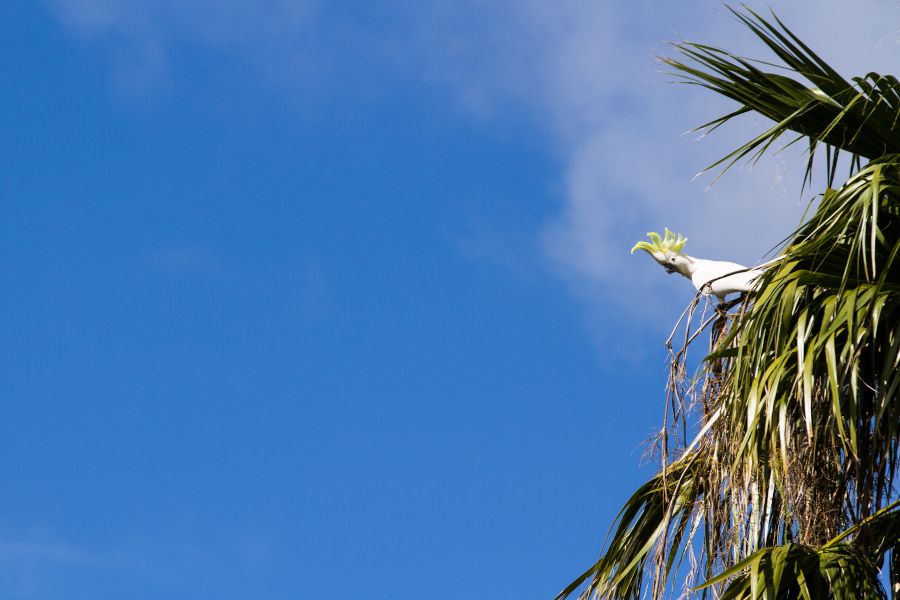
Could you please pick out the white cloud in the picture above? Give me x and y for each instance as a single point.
(584, 71)
(19, 552)
(27, 563)
(581, 71)
(270, 34)
(260, 23)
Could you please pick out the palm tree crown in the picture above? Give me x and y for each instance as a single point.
(785, 489)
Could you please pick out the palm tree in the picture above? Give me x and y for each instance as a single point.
(778, 459)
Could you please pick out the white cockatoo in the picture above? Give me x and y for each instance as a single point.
(716, 277)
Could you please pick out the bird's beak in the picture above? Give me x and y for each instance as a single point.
(669, 270)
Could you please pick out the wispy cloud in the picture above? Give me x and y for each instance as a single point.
(484, 241)
(14, 553)
(580, 71)
(185, 259)
(584, 72)
(29, 562)
(39, 564)
(271, 34)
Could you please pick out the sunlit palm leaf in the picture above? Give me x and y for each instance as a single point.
(808, 98)
(656, 516)
(796, 406)
(816, 355)
(842, 569)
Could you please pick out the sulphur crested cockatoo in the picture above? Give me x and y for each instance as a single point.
(716, 277)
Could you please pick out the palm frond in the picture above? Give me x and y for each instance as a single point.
(655, 521)
(840, 572)
(842, 569)
(808, 97)
(789, 479)
(815, 358)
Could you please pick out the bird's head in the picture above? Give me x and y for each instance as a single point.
(666, 250)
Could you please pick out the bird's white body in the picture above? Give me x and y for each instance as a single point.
(717, 277)
(711, 277)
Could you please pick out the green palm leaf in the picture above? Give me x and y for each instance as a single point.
(659, 510)
(840, 569)
(788, 482)
(819, 105)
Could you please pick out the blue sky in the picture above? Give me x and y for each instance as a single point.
(307, 299)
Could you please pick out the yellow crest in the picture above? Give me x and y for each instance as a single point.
(668, 243)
